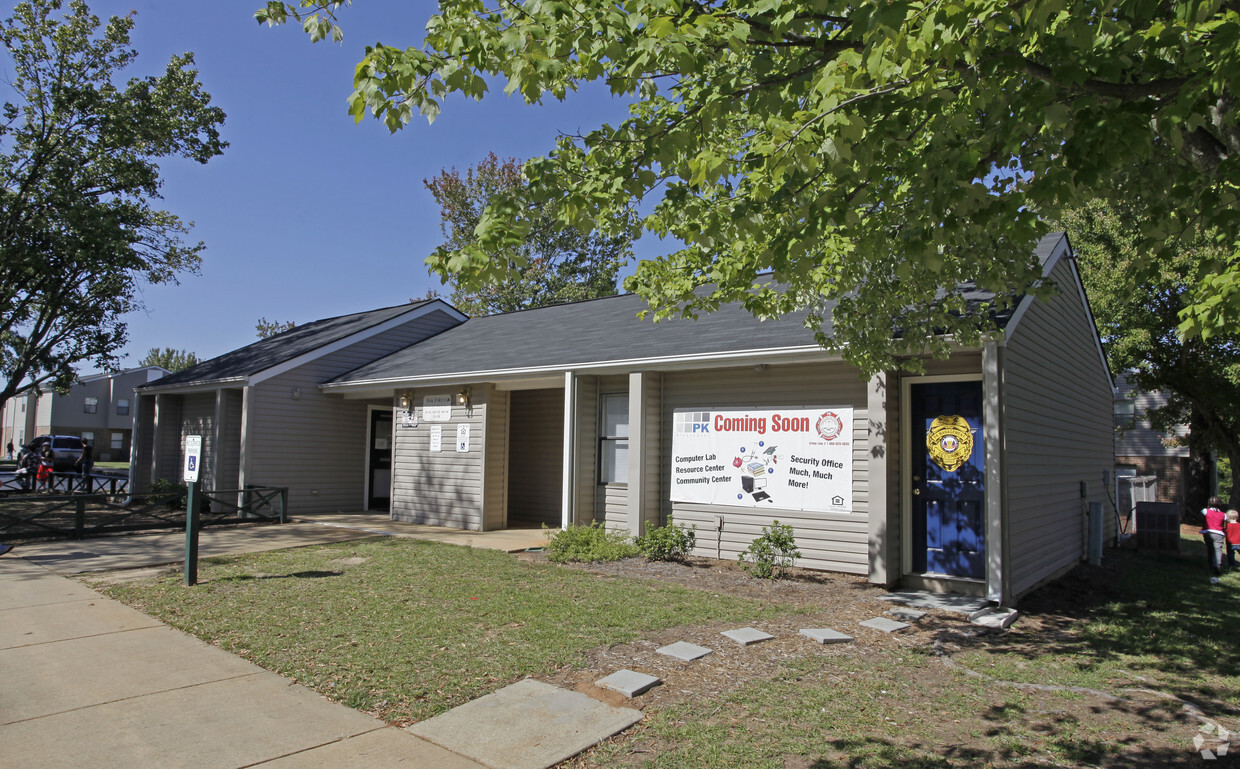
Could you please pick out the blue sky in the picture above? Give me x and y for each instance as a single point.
(308, 215)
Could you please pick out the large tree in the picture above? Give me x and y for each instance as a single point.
(170, 358)
(1137, 313)
(79, 230)
(877, 154)
(550, 264)
(269, 328)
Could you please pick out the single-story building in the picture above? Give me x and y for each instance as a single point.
(976, 476)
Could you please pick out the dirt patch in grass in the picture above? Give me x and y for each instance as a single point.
(939, 693)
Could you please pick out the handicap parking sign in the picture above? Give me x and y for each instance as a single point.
(193, 457)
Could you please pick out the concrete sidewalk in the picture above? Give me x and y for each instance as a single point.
(89, 682)
(86, 681)
(166, 548)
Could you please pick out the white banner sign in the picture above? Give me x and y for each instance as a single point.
(437, 408)
(786, 458)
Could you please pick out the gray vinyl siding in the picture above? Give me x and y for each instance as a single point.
(652, 382)
(229, 458)
(198, 418)
(587, 489)
(829, 541)
(167, 448)
(141, 461)
(495, 458)
(536, 470)
(613, 500)
(444, 488)
(1141, 440)
(314, 443)
(1057, 426)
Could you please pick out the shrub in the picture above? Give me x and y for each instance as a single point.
(588, 543)
(668, 543)
(771, 553)
(160, 488)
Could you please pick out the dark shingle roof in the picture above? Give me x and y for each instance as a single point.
(602, 331)
(273, 351)
(567, 335)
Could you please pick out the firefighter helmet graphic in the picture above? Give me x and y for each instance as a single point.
(950, 442)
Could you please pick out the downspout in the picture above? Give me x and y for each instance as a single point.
(997, 551)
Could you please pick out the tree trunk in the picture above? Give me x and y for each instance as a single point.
(1198, 486)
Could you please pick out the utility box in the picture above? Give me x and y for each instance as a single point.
(1158, 526)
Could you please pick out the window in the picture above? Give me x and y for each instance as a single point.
(92, 405)
(122, 408)
(118, 441)
(87, 436)
(1125, 414)
(614, 439)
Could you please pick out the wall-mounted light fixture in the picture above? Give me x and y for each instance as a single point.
(760, 368)
(295, 394)
(465, 397)
(404, 400)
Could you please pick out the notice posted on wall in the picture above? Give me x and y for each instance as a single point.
(437, 408)
(786, 458)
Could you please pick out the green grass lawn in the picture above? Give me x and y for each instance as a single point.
(1101, 671)
(406, 629)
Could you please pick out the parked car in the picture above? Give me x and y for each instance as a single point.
(67, 449)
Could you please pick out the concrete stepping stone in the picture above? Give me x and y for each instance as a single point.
(994, 617)
(529, 725)
(630, 683)
(825, 635)
(908, 615)
(683, 650)
(884, 624)
(747, 635)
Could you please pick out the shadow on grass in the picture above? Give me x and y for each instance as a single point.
(1147, 615)
(875, 753)
(293, 575)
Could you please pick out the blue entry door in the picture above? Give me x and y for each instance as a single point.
(948, 479)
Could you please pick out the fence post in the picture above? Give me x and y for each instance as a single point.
(283, 502)
(79, 517)
(191, 535)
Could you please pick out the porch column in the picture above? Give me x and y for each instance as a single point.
(161, 424)
(570, 449)
(883, 472)
(243, 458)
(637, 452)
(996, 546)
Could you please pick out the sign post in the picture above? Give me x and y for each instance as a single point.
(193, 461)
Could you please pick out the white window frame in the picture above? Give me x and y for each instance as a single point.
(90, 405)
(122, 403)
(612, 478)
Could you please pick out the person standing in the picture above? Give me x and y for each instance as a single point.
(9, 449)
(1215, 537)
(1233, 537)
(28, 470)
(47, 467)
(86, 463)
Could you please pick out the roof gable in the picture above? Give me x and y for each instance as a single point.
(298, 344)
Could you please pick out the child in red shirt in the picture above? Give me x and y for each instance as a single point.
(1233, 537)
